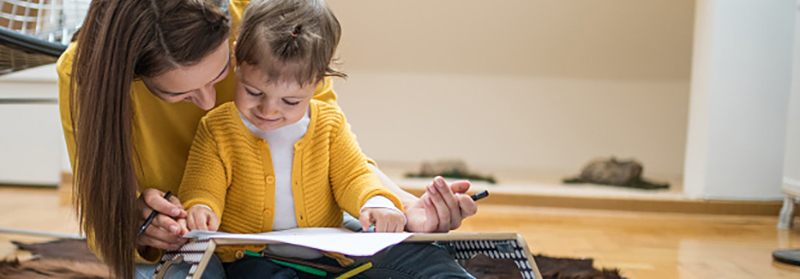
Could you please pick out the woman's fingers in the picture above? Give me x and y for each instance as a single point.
(166, 223)
(460, 186)
(184, 226)
(443, 210)
(431, 214)
(175, 201)
(164, 231)
(440, 208)
(160, 235)
(156, 243)
(468, 206)
(159, 238)
(153, 199)
(451, 201)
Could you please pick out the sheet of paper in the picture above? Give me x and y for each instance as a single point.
(337, 240)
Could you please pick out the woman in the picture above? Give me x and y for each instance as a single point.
(139, 78)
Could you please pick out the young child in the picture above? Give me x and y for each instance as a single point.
(275, 159)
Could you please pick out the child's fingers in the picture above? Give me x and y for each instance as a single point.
(381, 225)
(190, 222)
(389, 225)
(399, 225)
(213, 222)
(195, 220)
(202, 221)
(388, 221)
(365, 220)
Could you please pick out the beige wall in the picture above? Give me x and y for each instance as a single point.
(536, 86)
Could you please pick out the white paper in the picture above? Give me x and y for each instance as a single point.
(337, 240)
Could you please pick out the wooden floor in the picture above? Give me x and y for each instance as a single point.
(641, 245)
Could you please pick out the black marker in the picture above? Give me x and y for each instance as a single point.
(154, 213)
(483, 194)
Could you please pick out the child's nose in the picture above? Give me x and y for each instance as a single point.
(267, 109)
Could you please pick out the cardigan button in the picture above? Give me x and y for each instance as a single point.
(260, 144)
(267, 212)
(239, 254)
(270, 179)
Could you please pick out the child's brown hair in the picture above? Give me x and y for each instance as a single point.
(289, 39)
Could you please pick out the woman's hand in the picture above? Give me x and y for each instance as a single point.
(165, 231)
(384, 219)
(441, 208)
(202, 218)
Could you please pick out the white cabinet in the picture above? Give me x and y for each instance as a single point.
(32, 148)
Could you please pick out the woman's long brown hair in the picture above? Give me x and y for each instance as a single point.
(122, 40)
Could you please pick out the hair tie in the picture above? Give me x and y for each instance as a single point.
(296, 31)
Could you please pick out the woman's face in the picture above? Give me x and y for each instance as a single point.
(193, 83)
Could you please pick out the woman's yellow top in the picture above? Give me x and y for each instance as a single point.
(162, 132)
(230, 170)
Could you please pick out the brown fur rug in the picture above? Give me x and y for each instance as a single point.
(72, 259)
(68, 259)
(566, 268)
(50, 268)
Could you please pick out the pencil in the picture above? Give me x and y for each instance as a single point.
(355, 271)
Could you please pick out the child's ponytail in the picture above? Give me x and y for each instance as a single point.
(288, 47)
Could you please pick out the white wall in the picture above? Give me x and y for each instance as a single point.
(791, 165)
(543, 86)
(740, 89)
(531, 85)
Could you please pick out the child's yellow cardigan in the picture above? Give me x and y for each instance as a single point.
(230, 170)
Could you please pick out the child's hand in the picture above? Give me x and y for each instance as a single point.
(384, 219)
(201, 218)
(184, 228)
